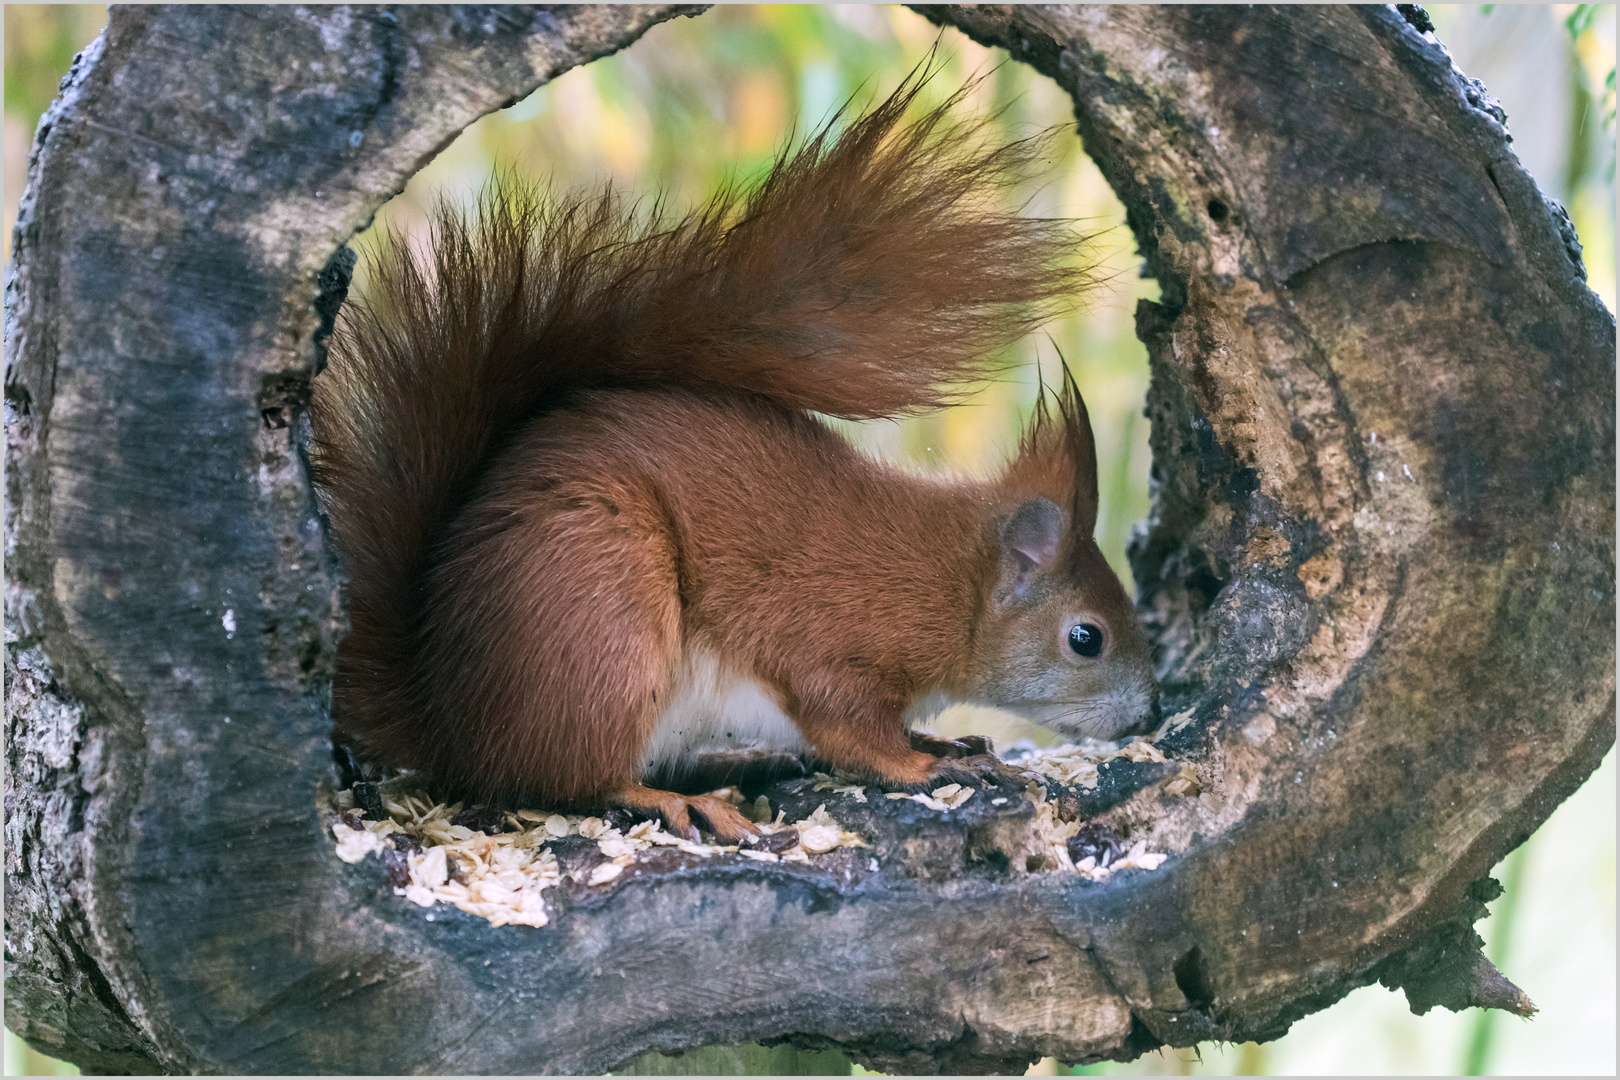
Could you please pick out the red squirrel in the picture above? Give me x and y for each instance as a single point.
(591, 523)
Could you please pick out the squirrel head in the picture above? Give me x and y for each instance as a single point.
(1058, 640)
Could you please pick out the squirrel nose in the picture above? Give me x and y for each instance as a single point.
(1149, 717)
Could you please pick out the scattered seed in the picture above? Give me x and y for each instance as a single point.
(1096, 842)
(484, 819)
(613, 846)
(604, 873)
(621, 818)
(354, 844)
(367, 799)
(433, 869)
(497, 865)
(1184, 782)
(818, 838)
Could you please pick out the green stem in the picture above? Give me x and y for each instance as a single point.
(747, 1060)
(1477, 1057)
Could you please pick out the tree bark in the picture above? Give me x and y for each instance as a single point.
(1379, 574)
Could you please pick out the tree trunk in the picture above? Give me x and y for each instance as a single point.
(1379, 574)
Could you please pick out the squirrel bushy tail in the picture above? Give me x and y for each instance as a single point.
(866, 275)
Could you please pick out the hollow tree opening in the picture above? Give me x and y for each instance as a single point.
(737, 85)
(1391, 678)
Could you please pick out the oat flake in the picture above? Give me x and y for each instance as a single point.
(503, 877)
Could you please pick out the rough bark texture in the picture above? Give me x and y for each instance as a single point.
(1380, 572)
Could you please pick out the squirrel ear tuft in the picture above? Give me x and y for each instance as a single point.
(1058, 456)
(1031, 539)
(1081, 448)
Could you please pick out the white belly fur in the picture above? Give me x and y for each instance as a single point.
(717, 708)
(928, 706)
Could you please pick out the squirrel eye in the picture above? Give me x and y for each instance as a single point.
(1086, 639)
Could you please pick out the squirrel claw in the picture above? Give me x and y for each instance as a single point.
(723, 819)
(979, 771)
(966, 746)
(978, 744)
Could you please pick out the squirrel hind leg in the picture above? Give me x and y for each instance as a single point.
(555, 628)
(723, 819)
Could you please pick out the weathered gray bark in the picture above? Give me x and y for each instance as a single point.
(1398, 650)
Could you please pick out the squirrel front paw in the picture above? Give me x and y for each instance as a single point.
(969, 760)
(932, 763)
(966, 746)
(983, 771)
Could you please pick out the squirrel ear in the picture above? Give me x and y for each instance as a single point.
(1082, 451)
(1058, 456)
(1030, 540)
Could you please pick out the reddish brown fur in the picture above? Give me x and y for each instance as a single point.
(571, 446)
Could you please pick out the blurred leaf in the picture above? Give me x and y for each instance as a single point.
(41, 40)
(1578, 21)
